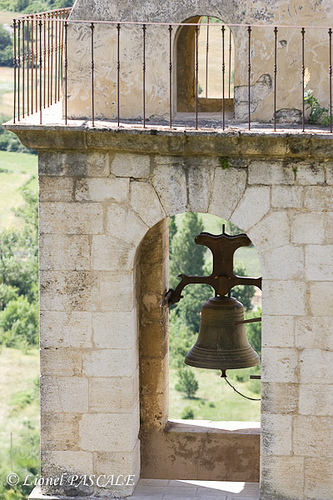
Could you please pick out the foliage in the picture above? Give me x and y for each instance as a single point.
(30, 6)
(6, 47)
(187, 413)
(187, 383)
(9, 141)
(318, 114)
(243, 294)
(18, 279)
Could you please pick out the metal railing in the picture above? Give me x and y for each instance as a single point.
(41, 66)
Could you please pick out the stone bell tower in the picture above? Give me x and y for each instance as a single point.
(130, 144)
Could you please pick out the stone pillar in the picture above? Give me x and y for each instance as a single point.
(89, 346)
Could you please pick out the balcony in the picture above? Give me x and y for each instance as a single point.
(197, 75)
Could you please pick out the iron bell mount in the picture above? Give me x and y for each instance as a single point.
(222, 342)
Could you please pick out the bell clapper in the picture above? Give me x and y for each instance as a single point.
(224, 375)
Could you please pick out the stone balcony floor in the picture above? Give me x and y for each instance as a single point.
(157, 489)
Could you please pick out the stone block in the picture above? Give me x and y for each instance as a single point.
(200, 183)
(145, 202)
(270, 172)
(60, 431)
(291, 294)
(319, 263)
(282, 477)
(64, 394)
(110, 189)
(280, 365)
(309, 330)
(253, 206)
(328, 228)
(64, 252)
(278, 331)
(169, 181)
(153, 375)
(110, 362)
(315, 366)
(131, 165)
(227, 191)
(311, 437)
(71, 218)
(318, 478)
(279, 398)
(74, 164)
(276, 434)
(115, 329)
(61, 329)
(60, 362)
(69, 291)
(307, 228)
(110, 432)
(273, 231)
(70, 462)
(321, 298)
(107, 395)
(111, 254)
(329, 173)
(319, 198)
(287, 197)
(316, 399)
(116, 291)
(56, 188)
(285, 262)
(123, 223)
(154, 340)
(310, 173)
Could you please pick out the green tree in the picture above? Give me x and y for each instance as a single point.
(19, 323)
(6, 47)
(187, 383)
(243, 294)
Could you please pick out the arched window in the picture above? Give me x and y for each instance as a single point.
(205, 66)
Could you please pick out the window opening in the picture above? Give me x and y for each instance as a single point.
(195, 393)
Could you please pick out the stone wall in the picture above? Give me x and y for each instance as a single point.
(104, 197)
(262, 15)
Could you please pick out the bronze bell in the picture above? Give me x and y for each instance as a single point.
(222, 343)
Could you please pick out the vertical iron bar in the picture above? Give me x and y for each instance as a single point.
(207, 56)
(15, 70)
(118, 73)
(170, 76)
(275, 74)
(196, 74)
(40, 72)
(223, 78)
(144, 27)
(36, 66)
(249, 29)
(48, 59)
(330, 76)
(44, 61)
(230, 48)
(62, 25)
(92, 76)
(51, 58)
(66, 71)
(19, 70)
(28, 65)
(303, 80)
(59, 52)
(23, 69)
(32, 65)
(56, 97)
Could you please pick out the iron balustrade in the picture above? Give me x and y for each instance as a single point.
(42, 67)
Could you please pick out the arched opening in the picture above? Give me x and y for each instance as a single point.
(170, 449)
(205, 66)
(196, 393)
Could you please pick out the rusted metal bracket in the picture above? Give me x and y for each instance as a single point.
(222, 279)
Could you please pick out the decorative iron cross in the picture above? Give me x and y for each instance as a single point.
(222, 279)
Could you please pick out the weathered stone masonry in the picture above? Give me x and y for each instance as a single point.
(105, 197)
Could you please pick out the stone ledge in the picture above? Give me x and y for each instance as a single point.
(233, 142)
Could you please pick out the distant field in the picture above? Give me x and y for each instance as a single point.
(6, 91)
(16, 169)
(7, 17)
